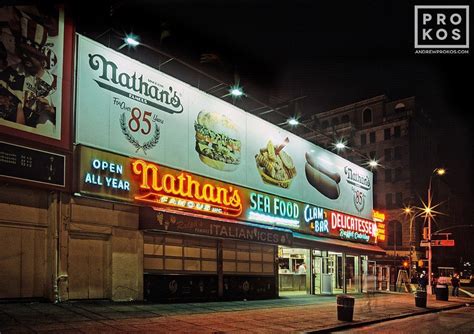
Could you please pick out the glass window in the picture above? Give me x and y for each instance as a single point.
(397, 131)
(386, 134)
(367, 115)
(388, 201)
(345, 119)
(397, 153)
(388, 175)
(398, 174)
(387, 154)
(335, 121)
(398, 199)
(372, 137)
(363, 139)
(394, 233)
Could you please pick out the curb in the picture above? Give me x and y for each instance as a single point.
(397, 317)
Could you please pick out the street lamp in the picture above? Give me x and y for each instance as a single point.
(428, 210)
(408, 211)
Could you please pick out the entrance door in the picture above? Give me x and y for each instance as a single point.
(317, 274)
(87, 267)
(372, 276)
(22, 262)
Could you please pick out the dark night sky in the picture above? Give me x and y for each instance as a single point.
(334, 53)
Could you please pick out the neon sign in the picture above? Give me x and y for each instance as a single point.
(378, 216)
(317, 217)
(274, 210)
(350, 227)
(185, 192)
(103, 166)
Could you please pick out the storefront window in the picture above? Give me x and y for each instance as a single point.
(352, 274)
(293, 270)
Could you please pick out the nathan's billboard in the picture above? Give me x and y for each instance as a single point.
(129, 108)
(108, 175)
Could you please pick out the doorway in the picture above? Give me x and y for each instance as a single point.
(87, 267)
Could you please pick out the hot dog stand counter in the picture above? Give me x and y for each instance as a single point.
(189, 257)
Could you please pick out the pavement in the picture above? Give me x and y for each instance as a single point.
(295, 314)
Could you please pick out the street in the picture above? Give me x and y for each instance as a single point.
(296, 314)
(453, 321)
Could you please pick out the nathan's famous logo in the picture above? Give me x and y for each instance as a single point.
(184, 192)
(361, 183)
(165, 99)
(140, 124)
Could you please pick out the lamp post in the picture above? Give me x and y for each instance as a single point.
(409, 212)
(428, 214)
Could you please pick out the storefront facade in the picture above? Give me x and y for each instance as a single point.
(168, 194)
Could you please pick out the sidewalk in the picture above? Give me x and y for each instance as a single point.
(285, 315)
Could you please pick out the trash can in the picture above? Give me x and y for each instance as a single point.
(442, 292)
(345, 308)
(420, 298)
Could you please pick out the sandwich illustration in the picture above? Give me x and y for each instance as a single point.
(275, 165)
(321, 177)
(217, 141)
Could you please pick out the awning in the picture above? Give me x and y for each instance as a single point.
(335, 244)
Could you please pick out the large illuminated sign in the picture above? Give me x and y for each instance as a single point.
(107, 175)
(183, 191)
(132, 109)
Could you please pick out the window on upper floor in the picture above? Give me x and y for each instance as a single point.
(388, 175)
(399, 200)
(399, 107)
(386, 134)
(387, 153)
(388, 201)
(335, 121)
(345, 119)
(394, 233)
(363, 139)
(367, 115)
(398, 174)
(397, 155)
(324, 124)
(397, 131)
(372, 137)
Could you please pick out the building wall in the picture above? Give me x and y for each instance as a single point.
(101, 250)
(399, 176)
(27, 223)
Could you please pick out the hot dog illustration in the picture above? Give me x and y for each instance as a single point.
(321, 177)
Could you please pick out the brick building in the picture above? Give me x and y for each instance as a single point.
(398, 135)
